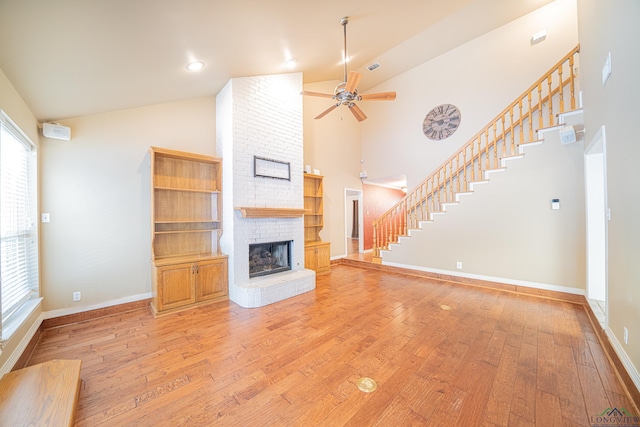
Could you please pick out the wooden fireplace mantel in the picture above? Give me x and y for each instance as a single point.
(251, 212)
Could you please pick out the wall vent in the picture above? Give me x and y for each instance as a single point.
(373, 66)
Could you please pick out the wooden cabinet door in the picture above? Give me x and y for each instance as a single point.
(175, 286)
(310, 261)
(211, 279)
(317, 257)
(323, 258)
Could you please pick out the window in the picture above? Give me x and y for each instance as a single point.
(18, 231)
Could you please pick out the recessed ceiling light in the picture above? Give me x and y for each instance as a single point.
(292, 63)
(195, 66)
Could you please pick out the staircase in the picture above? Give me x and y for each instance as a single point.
(501, 140)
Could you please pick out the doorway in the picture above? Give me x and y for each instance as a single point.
(597, 217)
(353, 221)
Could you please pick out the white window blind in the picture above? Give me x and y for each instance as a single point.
(18, 248)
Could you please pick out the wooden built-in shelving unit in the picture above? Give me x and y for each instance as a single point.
(186, 222)
(316, 252)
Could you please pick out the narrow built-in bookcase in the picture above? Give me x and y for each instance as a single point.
(186, 207)
(317, 254)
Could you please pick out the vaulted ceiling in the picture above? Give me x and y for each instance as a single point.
(70, 58)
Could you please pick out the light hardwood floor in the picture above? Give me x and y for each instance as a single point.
(442, 354)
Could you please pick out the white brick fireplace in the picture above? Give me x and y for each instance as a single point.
(261, 116)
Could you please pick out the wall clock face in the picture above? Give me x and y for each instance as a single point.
(441, 122)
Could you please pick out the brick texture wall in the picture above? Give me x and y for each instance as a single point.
(260, 116)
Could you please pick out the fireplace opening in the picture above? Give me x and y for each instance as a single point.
(269, 258)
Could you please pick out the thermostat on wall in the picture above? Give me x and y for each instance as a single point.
(54, 131)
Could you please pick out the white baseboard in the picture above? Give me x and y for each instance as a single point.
(74, 310)
(624, 357)
(535, 285)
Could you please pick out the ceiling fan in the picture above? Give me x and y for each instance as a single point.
(346, 93)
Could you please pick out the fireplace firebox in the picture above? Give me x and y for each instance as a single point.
(269, 258)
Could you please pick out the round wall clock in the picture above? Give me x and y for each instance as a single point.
(441, 122)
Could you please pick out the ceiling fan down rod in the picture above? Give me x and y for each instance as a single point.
(344, 21)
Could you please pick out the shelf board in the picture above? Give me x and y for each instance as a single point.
(186, 231)
(187, 221)
(188, 190)
(253, 212)
(181, 155)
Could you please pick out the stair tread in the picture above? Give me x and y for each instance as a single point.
(44, 394)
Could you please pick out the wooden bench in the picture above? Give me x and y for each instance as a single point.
(41, 395)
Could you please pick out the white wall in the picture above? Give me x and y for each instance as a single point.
(96, 188)
(613, 27)
(506, 230)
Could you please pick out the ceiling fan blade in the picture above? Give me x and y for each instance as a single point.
(323, 95)
(382, 96)
(357, 112)
(352, 81)
(327, 111)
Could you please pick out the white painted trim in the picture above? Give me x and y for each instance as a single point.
(535, 285)
(22, 345)
(17, 319)
(360, 220)
(488, 172)
(524, 145)
(561, 116)
(542, 131)
(74, 310)
(11, 361)
(624, 357)
(474, 183)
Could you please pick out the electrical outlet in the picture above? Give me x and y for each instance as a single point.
(46, 217)
(77, 296)
(626, 336)
(459, 265)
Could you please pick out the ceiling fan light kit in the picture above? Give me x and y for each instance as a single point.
(346, 93)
